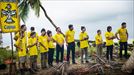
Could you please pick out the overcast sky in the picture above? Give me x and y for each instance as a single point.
(91, 14)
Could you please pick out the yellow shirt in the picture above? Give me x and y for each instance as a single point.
(30, 33)
(70, 36)
(44, 41)
(22, 44)
(25, 36)
(33, 49)
(51, 43)
(107, 35)
(98, 39)
(83, 43)
(59, 38)
(122, 34)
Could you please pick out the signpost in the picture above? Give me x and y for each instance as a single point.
(9, 21)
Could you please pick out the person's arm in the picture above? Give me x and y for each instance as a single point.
(127, 35)
(18, 47)
(16, 44)
(31, 45)
(116, 35)
(81, 38)
(42, 45)
(66, 40)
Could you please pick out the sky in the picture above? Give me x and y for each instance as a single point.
(93, 14)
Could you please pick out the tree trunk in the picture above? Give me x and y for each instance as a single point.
(50, 20)
(47, 16)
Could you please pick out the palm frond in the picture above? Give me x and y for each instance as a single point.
(24, 10)
(35, 5)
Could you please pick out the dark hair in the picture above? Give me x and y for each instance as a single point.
(43, 30)
(57, 28)
(82, 27)
(49, 32)
(32, 28)
(69, 26)
(32, 33)
(98, 31)
(123, 23)
(22, 26)
(109, 27)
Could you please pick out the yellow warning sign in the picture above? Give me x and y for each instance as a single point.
(9, 17)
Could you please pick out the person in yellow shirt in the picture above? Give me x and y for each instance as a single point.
(21, 49)
(32, 45)
(84, 44)
(123, 37)
(51, 47)
(32, 29)
(109, 42)
(23, 29)
(99, 41)
(70, 42)
(59, 39)
(43, 41)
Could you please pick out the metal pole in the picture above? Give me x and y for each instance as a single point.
(12, 44)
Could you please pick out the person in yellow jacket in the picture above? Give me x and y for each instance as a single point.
(43, 41)
(33, 53)
(59, 39)
(21, 50)
(109, 42)
(51, 47)
(123, 37)
(99, 42)
(84, 44)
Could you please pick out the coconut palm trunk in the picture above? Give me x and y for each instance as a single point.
(46, 15)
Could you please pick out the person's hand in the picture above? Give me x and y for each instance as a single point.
(21, 49)
(61, 45)
(66, 44)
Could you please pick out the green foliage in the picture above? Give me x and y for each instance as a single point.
(5, 54)
(24, 7)
(24, 10)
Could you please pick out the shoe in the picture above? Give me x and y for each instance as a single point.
(81, 62)
(74, 63)
(36, 70)
(87, 61)
(32, 71)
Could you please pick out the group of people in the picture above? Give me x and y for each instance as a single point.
(31, 44)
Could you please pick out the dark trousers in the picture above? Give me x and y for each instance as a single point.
(123, 46)
(50, 56)
(44, 60)
(33, 62)
(71, 46)
(109, 52)
(59, 50)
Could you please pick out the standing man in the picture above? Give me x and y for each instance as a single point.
(84, 44)
(70, 42)
(109, 42)
(32, 29)
(23, 29)
(43, 41)
(32, 45)
(123, 37)
(59, 39)
(99, 41)
(21, 50)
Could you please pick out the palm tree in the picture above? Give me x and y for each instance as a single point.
(25, 5)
